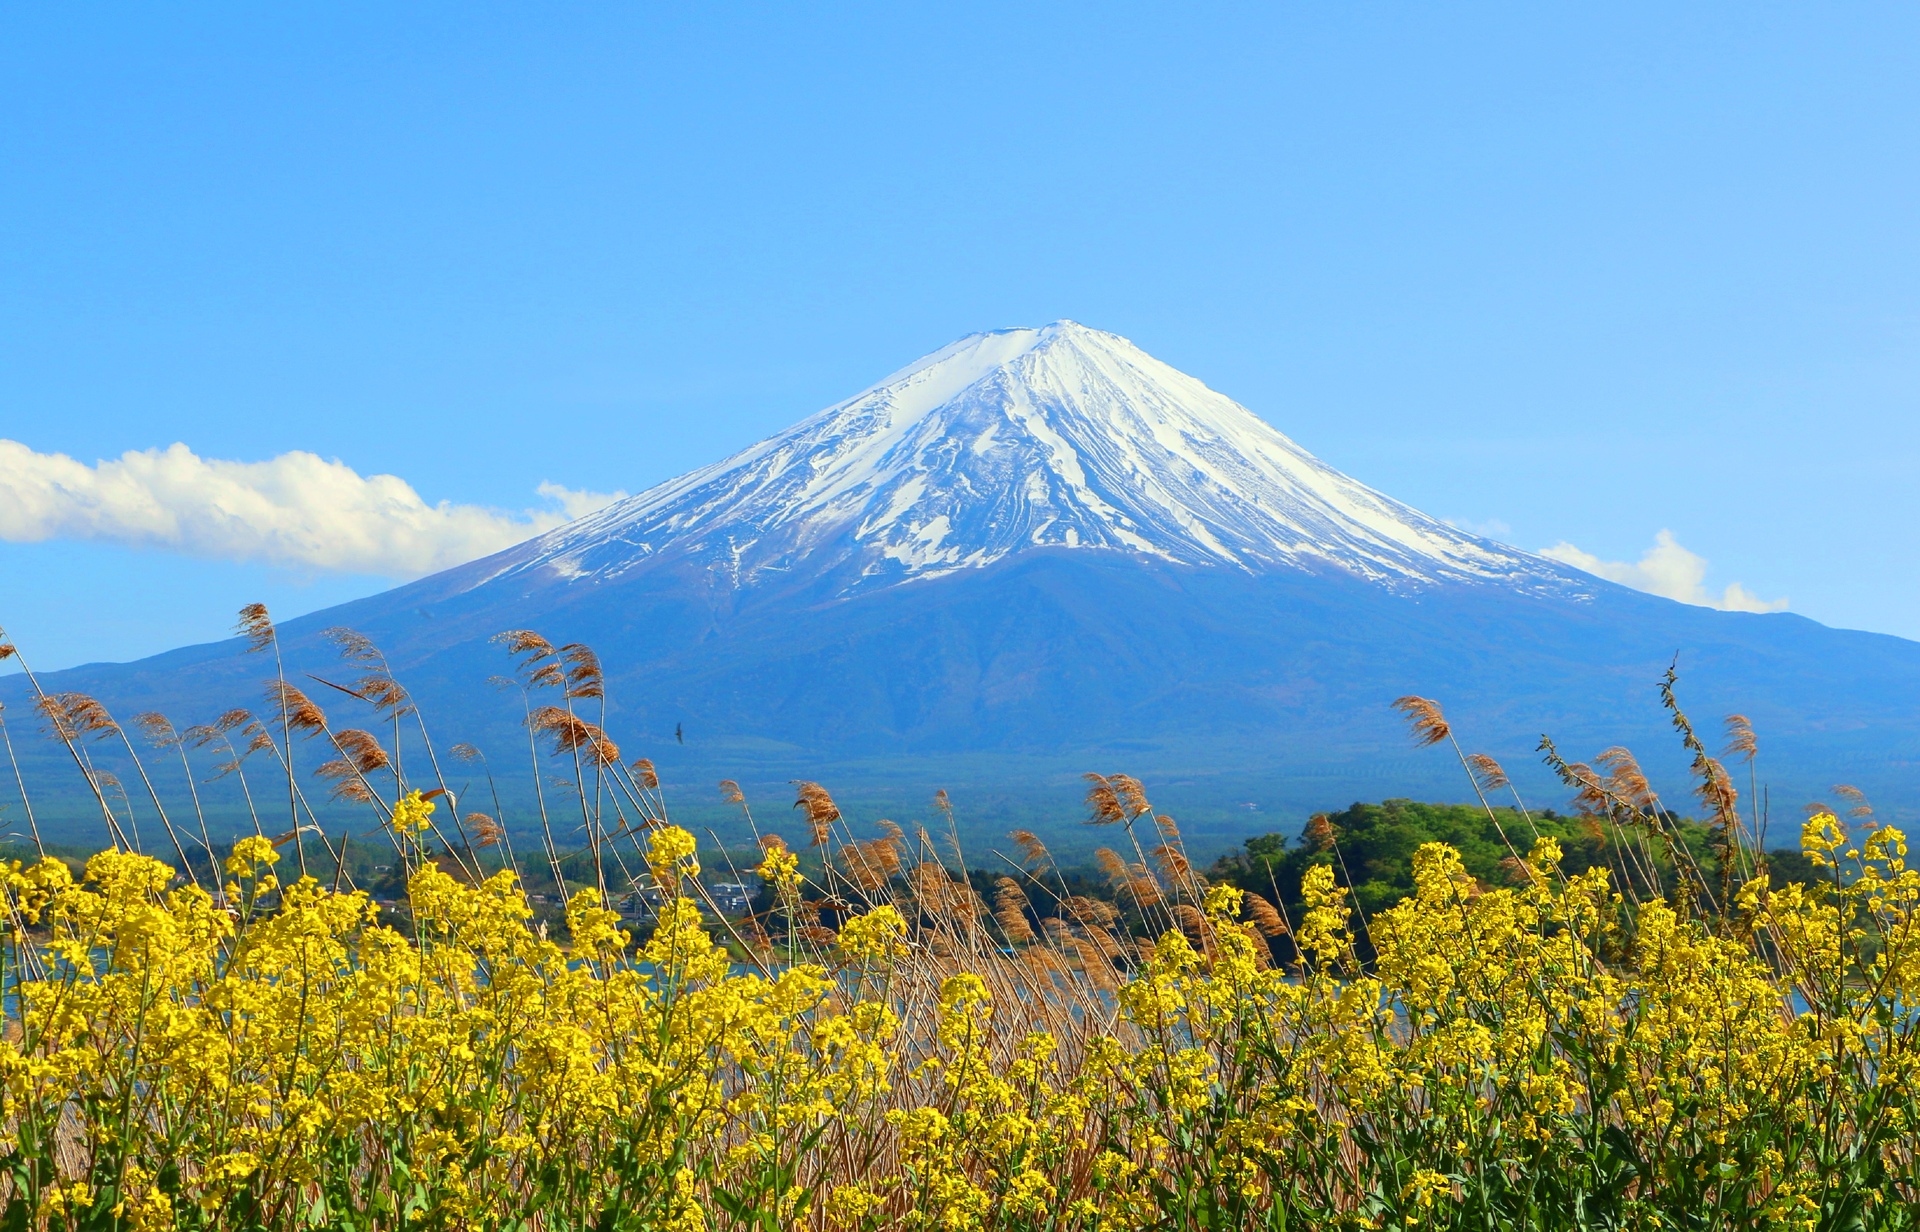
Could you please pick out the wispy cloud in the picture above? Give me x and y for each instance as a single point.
(1668, 570)
(1492, 528)
(297, 510)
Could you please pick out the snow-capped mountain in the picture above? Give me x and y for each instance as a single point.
(1041, 551)
(1057, 437)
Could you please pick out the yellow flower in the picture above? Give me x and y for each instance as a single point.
(965, 1004)
(1820, 836)
(146, 1208)
(1223, 901)
(878, 934)
(1029, 1193)
(670, 853)
(847, 1205)
(412, 814)
(779, 867)
(1427, 1188)
(250, 852)
(684, 1212)
(596, 931)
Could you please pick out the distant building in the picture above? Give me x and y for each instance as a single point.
(731, 896)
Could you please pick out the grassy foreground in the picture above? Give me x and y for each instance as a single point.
(1659, 1040)
(1511, 1059)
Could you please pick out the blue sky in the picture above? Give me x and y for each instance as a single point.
(1568, 274)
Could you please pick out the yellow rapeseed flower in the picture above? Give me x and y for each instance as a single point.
(412, 815)
(875, 935)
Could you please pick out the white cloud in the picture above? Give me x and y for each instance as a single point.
(296, 510)
(577, 504)
(1668, 570)
(1492, 528)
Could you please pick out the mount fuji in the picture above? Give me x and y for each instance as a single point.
(1040, 551)
(1002, 443)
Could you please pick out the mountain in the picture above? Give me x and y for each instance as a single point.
(1005, 442)
(1040, 551)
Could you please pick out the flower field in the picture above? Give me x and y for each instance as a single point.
(883, 1047)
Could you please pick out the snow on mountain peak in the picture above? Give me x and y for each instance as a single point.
(1057, 437)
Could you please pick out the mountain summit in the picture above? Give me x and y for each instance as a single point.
(1059, 437)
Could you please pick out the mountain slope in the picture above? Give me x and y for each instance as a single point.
(1036, 552)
